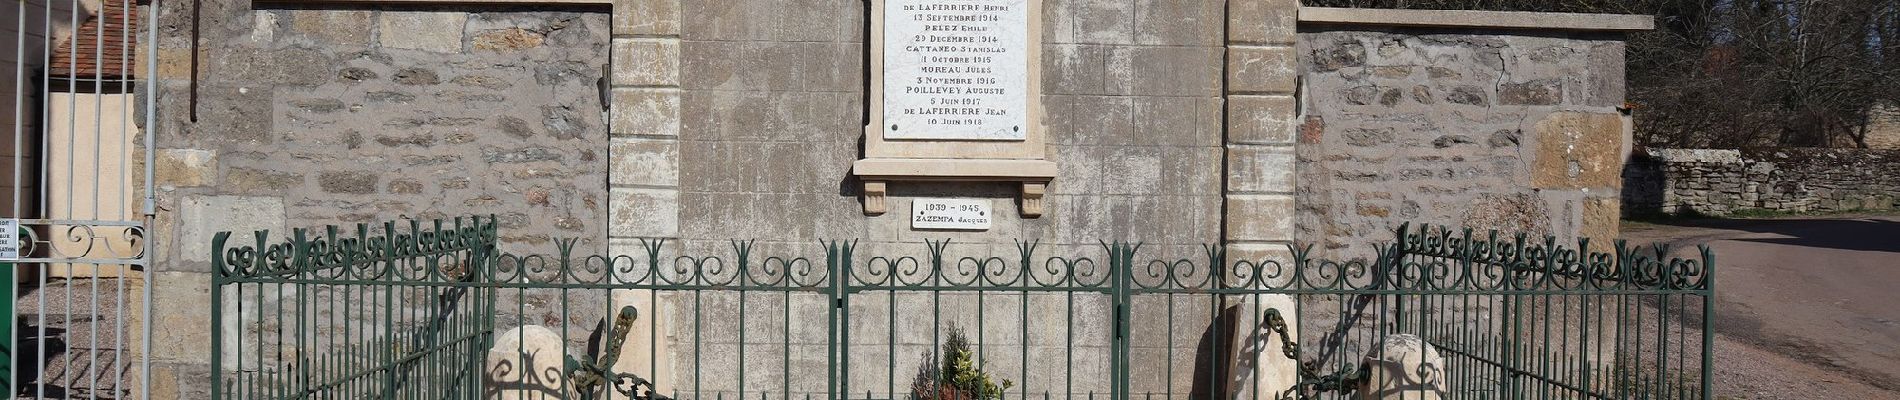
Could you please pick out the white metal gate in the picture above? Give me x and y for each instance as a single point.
(74, 180)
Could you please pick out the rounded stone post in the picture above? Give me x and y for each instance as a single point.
(525, 363)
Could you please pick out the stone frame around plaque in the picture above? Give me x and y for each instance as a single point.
(899, 160)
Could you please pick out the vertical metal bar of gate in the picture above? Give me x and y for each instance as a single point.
(150, 208)
(1121, 264)
(1708, 324)
(838, 262)
(69, 187)
(18, 78)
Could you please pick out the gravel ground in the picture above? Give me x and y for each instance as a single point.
(1805, 308)
(86, 350)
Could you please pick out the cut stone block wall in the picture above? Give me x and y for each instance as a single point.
(1796, 180)
(772, 113)
(770, 108)
(1261, 78)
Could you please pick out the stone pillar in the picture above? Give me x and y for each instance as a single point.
(644, 172)
(1261, 81)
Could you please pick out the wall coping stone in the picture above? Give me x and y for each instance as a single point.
(1696, 155)
(443, 2)
(955, 169)
(1478, 19)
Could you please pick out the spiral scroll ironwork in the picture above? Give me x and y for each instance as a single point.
(98, 243)
(1445, 258)
(444, 251)
(1421, 258)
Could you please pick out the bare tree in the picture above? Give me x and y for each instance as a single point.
(1742, 73)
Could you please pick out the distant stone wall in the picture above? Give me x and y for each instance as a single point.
(341, 114)
(1474, 128)
(1722, 182)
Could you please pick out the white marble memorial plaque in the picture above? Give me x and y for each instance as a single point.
(9, 239)
(956, 69)
(955, 214)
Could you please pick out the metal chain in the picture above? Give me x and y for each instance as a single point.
(1311, 382)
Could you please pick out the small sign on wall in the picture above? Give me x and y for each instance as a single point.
(9, 239)
(951, 214)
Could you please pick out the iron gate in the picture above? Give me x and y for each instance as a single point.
(433, 311)
(77, 200)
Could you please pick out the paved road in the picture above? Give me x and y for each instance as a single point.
(1806, 308)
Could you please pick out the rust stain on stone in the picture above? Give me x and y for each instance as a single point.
(1577, 150)
(507, 39)
(1312, 130)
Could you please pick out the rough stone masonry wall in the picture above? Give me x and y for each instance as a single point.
(1481, 129)
(1517, 132)
(754, 135)
(339, 114)
(1799, 180)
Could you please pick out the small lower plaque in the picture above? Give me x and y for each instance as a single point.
(951, 214)
(9, 239)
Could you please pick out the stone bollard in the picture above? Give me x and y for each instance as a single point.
(1403, 367)
(526, 364)
(647, 353)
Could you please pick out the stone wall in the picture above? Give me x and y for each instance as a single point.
(1516, 131)
(740, 120)
(337, 114)
(755, 136)
(1482, 129)
(770, 115)
(1796, 180)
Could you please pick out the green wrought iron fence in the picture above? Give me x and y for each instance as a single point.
(390, 314)
(435, 311)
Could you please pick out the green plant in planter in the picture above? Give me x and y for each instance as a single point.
(962, 377)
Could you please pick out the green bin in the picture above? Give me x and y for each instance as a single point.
(8, 285)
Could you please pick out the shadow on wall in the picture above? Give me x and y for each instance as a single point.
(1206, 365)
(1643, 186)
